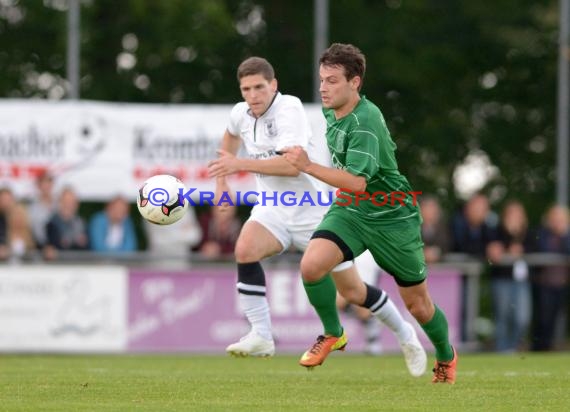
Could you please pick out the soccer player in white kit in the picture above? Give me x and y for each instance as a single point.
(266, 122)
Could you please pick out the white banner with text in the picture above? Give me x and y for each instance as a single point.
(63, 308)
(106, 149)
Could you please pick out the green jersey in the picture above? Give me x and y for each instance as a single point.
(360, 143)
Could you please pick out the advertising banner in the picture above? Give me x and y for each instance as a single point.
(63, 309)
(197, 311)
(114, 309)
(106, 149)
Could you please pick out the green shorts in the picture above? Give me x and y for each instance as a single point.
(396, 245)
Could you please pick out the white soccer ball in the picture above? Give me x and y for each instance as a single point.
(160, 200)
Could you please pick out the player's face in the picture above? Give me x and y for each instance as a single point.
(258, 92)
(337, 92)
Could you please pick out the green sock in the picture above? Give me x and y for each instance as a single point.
(322, 295)
(437, 331)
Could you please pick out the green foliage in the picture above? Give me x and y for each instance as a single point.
(183, 50)
(453, 77)
(32, 42)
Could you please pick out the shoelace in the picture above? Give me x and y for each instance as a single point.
(441, 372)
(316, 349)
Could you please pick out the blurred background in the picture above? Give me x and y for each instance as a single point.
(475, 96)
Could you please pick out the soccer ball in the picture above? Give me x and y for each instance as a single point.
(160, 200)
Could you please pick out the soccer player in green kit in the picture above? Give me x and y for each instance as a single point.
(364, 162)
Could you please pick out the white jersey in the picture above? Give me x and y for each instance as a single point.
(283, 124)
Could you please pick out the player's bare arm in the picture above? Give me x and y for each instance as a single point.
(227, 163)
(298, 157)
(230, 144)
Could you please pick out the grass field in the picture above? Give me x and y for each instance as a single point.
(344, 383)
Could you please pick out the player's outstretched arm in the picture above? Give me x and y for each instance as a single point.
(298, 157)
(275, 166)
(230, 145)
(226, 163)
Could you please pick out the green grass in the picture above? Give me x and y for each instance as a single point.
(344, 383)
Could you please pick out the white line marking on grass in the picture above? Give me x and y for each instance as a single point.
(511, 374)
(543, 374)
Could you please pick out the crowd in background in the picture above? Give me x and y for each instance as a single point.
(529, 300)
(51, 223)
(523, 293)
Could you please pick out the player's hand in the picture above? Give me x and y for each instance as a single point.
(225, 164)
(297, 156)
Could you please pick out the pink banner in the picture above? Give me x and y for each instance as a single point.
(197, 311)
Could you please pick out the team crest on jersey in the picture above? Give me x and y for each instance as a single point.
(270, 128)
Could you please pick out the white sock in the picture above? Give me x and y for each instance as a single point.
(391, 317)
(256, 309)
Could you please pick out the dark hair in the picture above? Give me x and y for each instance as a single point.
(349, 57)
(256, 65)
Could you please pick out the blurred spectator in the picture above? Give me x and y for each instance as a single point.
(472, 229)
(19, 239)
(550, 285)
(42, 207)
(7, 203)
(435, 232)
(175, 240)
(65, 229)
(220, 232)
(510, 284)
(112, 229)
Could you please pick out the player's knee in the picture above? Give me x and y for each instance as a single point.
(245, 253)
(311, 269)
(420, 309)
(352, 294)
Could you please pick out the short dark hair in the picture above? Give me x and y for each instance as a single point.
(349, 57)
(255, 65)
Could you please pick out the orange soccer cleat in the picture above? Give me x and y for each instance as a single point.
(444, 372)
(324, 345)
